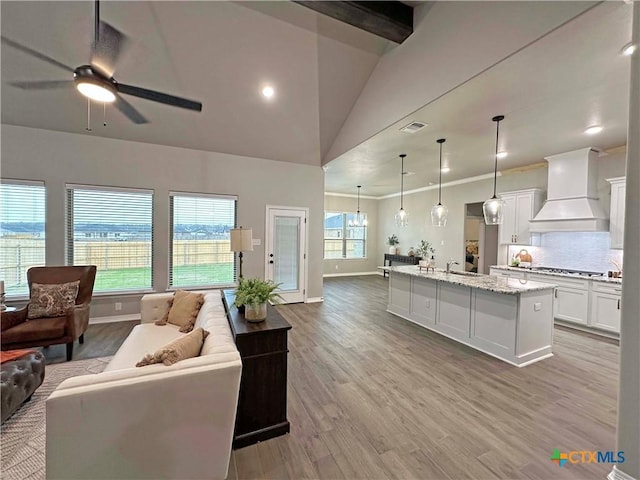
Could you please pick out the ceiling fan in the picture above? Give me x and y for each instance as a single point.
(95, 80)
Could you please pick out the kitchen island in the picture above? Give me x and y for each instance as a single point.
(510, 319)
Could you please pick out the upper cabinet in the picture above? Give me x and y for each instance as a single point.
(520, 207)
(616, 221)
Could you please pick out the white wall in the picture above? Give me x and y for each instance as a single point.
(369, 206)
(59, 158)
(435, 58)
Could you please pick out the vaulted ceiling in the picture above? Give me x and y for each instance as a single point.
(219, 53)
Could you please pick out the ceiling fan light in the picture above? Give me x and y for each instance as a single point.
(493, 210)
(439, 215)
(95, 92)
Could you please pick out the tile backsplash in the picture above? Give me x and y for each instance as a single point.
(588, 251)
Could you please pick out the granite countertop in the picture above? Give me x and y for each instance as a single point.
(602, 278)
(510, 286)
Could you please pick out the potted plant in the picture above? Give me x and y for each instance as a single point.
(426, 251)
(393, 241)
(253, 294)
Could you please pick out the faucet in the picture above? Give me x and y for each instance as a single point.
(451, 262)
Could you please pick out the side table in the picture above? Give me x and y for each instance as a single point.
(262, 404)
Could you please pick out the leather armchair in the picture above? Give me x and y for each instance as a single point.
(18, 332)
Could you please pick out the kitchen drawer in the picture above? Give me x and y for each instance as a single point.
(612, 288)
(577, 283)
(506, 273)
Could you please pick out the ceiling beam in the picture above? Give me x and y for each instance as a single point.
(388, 19)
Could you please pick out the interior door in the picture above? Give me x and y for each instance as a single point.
(286, 251)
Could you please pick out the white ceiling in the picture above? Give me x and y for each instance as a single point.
(549, 93)
(219, 53)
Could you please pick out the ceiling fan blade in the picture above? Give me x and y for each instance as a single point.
(43, 85)
(110, 46)
(129, 111)
(38, 55)
(159, 97)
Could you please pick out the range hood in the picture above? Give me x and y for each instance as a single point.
(572, 201)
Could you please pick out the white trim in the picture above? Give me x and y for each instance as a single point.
(314, 299)
(114, 319)
(444, 185)
(617, 474)
(354, 274)
(11, 181)
(350, 195)
(107, 188)
(206, 195)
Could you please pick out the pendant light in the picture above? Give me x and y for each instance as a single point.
(401, 215)
(493, 208)
(439, 212)
(357, 222)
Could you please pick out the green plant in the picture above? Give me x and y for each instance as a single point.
(393, 240)
(255, 291)
(425, 250)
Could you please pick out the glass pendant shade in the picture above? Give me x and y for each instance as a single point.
(358, 222)
(439, 212)
(493, 208)
(402, 217)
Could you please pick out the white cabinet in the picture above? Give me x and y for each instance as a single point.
(571, 300)
(424, 299)
(616, 221)
(605, 306)
(520, 207)
(507, 273)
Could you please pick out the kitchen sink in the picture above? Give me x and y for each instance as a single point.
(465, 274)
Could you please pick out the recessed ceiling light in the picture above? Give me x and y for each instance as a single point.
(445, 169)
(502, 155)
(268, 91)
(629, 48)
(593, 130)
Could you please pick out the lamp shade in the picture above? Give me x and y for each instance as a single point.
(493, 210)
(241, 240)
(439, 214)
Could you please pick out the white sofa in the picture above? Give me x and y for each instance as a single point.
(150, 422)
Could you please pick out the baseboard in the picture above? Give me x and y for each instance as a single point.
(314, 300)
(114, 319)
(617, 474)
(355, 274)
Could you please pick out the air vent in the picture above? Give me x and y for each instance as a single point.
(413, 127)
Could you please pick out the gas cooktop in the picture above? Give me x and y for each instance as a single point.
(568, 271)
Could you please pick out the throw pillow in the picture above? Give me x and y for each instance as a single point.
(52, 300)
(183, 310)
(187, 346)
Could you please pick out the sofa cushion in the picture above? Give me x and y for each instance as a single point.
(35, 330)
(187, 346)
(51, 300)
(183, 310)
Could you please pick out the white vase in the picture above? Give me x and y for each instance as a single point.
(393, 250)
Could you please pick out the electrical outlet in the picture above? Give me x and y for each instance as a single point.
(118, 306)
(537, 307)
(441, 242)
(336, 267)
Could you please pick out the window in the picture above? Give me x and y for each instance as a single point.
(200, 246)
(111, 228)
(22, 233)
(341, 240)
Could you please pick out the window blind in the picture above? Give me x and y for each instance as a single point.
(111, 228)
(22, 233)
(342, 240)
(200, 253)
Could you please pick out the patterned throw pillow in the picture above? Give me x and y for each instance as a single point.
(187, 346)
(52, 300)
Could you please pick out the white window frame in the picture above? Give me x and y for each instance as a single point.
(344, 237)
(33, 183)
(213, 196)
(69, 240)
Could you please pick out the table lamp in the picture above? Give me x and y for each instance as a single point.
(241, 241)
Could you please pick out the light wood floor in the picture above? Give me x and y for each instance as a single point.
(374, 396)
